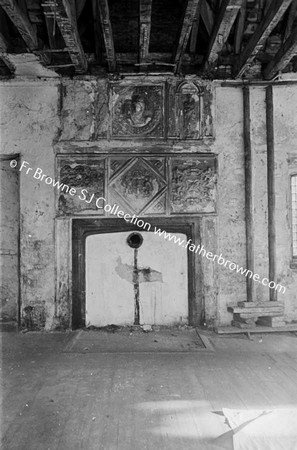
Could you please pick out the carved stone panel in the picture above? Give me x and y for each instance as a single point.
(188, 110)
(139, 184)
(137, 111)
(193, 185)
(85, 176)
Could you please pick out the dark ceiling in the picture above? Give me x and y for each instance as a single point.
(210, 38)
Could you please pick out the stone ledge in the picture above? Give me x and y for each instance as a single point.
(258, 329)
(246, 314)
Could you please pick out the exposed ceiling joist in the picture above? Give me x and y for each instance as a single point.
(97, 31)
(7, 61)
(207, 16)
(107, 34)
(3, 43)
(287, 51)
(21, 22)
(291, 18)
(239, 29)
(267, 4)
(276, 10)
(62, 12)
(226, 17)
(4, 55)
(188, 19)
(195, 28)
(145, 13)
(50, 26)
(79, 6)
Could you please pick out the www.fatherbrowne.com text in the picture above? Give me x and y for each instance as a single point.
(101, 203)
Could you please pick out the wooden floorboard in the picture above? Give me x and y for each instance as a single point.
(68, 401)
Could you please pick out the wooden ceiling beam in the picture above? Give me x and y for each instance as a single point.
(97, 32)
(79, 6)
(21, 22)
(3, 44)
(207, 16)
(195, 29)
(275, 11)
(3, 53)
(62, 12)
(188, 19)
(107, 34)
(51, 27)
(239, 29)
(226, 17)
(291, 18)
(6, 60)
(145, 17)
(287, 51)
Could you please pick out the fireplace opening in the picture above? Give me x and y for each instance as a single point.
(107, 273)
(144, 282)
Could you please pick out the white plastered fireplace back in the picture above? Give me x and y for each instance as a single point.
(113, 277)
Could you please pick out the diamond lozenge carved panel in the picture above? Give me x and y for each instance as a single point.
(137, 185)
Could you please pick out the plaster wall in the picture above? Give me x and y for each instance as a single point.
(29, 126)
(259, 152)
(231, 197)
(285, 123)
(9, 241)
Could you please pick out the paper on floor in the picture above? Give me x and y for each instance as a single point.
(263, 429)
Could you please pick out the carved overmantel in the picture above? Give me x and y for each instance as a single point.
(159, 185)
(164, 109)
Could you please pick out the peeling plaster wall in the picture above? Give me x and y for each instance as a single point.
(85, 115)
(259, 149)
(231, 215)
(29, 126)
(9, 242)
(231, 197)
(285, 129)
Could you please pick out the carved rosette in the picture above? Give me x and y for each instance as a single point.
(137, 111)
(193, 185)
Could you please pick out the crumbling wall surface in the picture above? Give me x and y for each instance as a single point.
(29, 126)
(84, 109)
(260, 199)
(285, 141)
(9, 230)
(231, 197)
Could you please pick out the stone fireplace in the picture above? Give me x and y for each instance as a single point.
(112, 196)
(127, 174)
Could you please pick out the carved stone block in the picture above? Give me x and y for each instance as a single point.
(189, 110)
(138, 184)
(137, 111)
(85, 175)
(193, 185)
